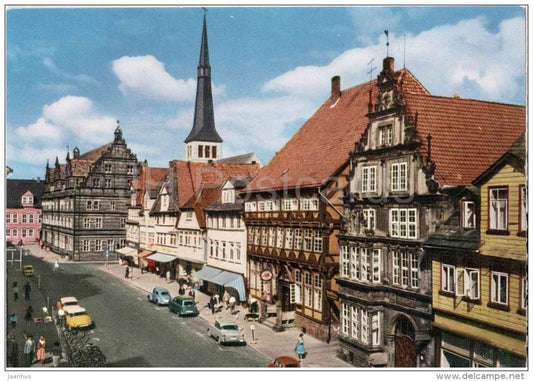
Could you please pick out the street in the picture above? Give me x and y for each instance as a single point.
(129, 330)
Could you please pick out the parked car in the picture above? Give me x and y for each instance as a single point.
(77, 318)
(27, 270)
(183, 306)
(68, 301)
(284, 362)
(159, 296)
(227, 331)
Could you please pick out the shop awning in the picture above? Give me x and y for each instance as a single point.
(223, 278)
(145, 253)
(128, 251)
(162, 258)
(206, 273)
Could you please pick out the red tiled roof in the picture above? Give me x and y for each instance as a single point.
(205, 196)
(322, 145)
(467, 135)
(148, 179)
(190, 176)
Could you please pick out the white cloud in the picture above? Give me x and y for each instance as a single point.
(82, 78)
(146, 76)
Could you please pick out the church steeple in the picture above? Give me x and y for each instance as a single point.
(204, 143)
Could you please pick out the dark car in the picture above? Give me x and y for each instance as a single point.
(284, 362)
(183, 306)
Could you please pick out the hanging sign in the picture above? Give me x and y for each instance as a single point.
(266, 275)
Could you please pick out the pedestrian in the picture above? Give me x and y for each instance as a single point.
(56, 354)
(181, 291)
(56, 265)
(29, 350)
(225, 299)
(28, 315)
(60, 317)
(27, 291)
(191, 292)
(127, 273)
(13, 320)
(212, 303)
(15, 291)
(299, 349)
(41, 350)
(168, 276)
(12, 352)
(232, 303)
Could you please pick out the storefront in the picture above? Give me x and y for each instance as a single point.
(217, 280)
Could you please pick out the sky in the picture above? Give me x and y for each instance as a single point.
(72, 72)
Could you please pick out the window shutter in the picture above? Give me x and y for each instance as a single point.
(460, 282)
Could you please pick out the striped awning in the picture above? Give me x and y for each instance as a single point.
(128, 251)
(162, 258)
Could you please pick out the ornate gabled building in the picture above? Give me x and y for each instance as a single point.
(23, 210)
(480, 270)
(415, 150)
(85, 201)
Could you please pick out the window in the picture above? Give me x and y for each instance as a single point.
(471, 283)
(403, 223)
(361, 264)
(256, 236)
(279, 238)
(368, 181)
(24, 219)
(8, 218)
(448, 278)
(376, 265)
(499, 288)
(130, 170)
(523, 292)
(214, 152)
(308, 239)
(96, 183)
(405, 269)
(498, 208)
(365, 325)
(523, 208)
(308, 296)
(261, 206)
(297, 239)
(250, 206)
(288, 238)
(345, 261)
(345, 319)
(297, 287)
(96, 205)
(289, 204)
(122, 223)
(107, 168)
(264, 236)
(356, 322)
(309, 203)
(112, 205)
(385, 135)
(238, 252)
(98, 222)
(200, 150)
(207, 152)
(370, 218)
(85, 245)
(89, 205)
(318, 243)
(86, 223)
(271, 237)
(468, 212)
(30, 218)
(317, 291)
(399, 177)
(108, 183)
(14, 218)
(98, 245)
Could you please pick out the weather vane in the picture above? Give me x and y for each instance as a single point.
(387, 34)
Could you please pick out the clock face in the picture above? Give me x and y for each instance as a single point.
(266, 275)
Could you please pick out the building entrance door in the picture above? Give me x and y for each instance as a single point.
(404, 344)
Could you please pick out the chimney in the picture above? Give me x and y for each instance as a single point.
(335, 88)
(388, 65)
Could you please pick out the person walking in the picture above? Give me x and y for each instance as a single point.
(12, 351)
(13, 320)
(29, 350)
(56, 354)
(28, 316)
(299, 349)
(232, 303)
(56, 265)
(127, 273)
(191, 292)
(212, 303)
(27, 291)
(15, 291)
(225, 299)
(41, 350)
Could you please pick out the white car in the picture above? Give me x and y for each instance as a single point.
(227, 331)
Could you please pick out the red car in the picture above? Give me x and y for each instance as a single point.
(284, 362)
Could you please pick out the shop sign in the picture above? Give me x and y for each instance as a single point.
(266, 275)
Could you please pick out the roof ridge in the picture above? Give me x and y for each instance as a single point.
(460, 99)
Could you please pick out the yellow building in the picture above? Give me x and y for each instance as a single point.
(479, 277)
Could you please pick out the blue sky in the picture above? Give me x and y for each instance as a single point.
(71, 73)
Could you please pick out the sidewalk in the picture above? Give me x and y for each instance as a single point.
(267, 341)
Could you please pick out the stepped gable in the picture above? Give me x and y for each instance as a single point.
(191, 176)
(467, 136)
(80, 166)
(322, 145)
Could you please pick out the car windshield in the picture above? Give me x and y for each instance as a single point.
(230, 327)
(188, 303)
(79, 313)
(163, 292)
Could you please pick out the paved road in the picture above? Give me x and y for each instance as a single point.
(135, 333)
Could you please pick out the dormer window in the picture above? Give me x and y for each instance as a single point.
(27, 200)
(468, 215)
(228, 196)
(385, 135)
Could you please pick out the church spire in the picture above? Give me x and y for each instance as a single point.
(203, 131)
